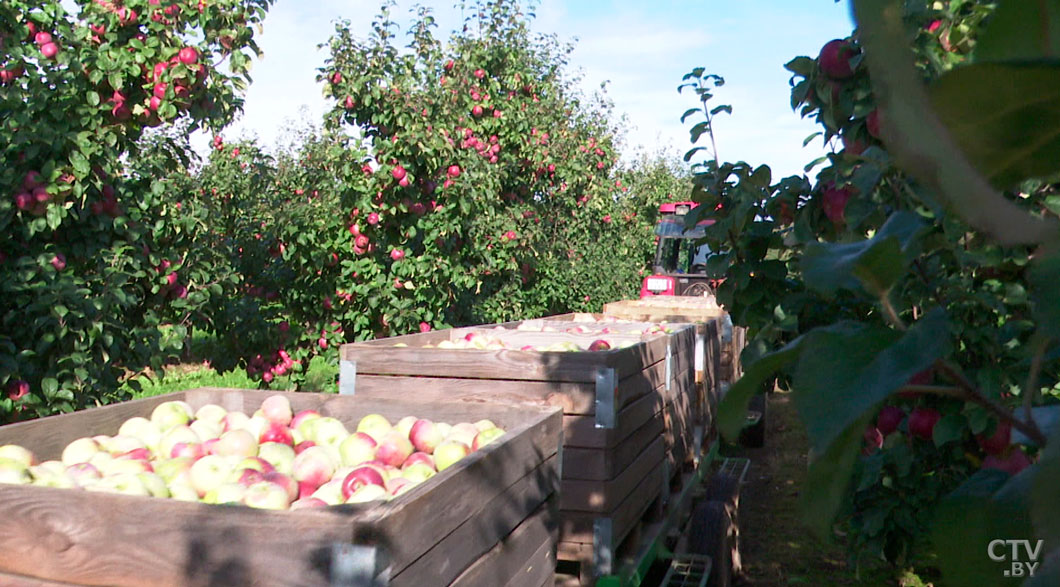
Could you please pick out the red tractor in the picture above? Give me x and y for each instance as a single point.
(680, 267)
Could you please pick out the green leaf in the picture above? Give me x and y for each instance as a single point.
(989, 506)
(803, 66)
(1021, 31)
(92, 97)
(1011, 133)
(689, 112)
(1044, 281)
(873, 265)
(846, 370)
(49, 386)
(828, 478)
(950, 428)
(922, 145)
(732, 410)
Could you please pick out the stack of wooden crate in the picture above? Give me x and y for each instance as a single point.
(627, 411)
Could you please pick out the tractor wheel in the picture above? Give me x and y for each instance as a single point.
(698, 289)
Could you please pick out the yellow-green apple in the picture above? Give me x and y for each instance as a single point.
(171, 414)
(485, 437)
(276, 432)
(314, 465)
(404, 425)
(174, 436)
(207, 429)
(280, 456)
(174, 470)
(359, 477)
(126, 483)
(101, 459)
(18, 453)
(235, 421)
(14, 472)
(327, 430)
(139, 427)
(256, 425)
(83, 474)
(121, 443)
(47, 467)
(225, 493)
(399, 485)
(211, 413)
(277, 409)
(358, 448)
(181, 491)
(60, 479)
(448, 453)
(154, 484)
(307, 503)
(374, 425)
(330, 492)
(419, 457)
(238, 442)
(418, 472)
(444, 428)
(367, 493)
(284, 481)
(267, 496)
(394, 449)
(484, 424)
(425, 436)
(302, 417)
(80, 451)
(208, 473)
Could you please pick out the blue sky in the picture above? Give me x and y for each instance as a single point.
(642, 48)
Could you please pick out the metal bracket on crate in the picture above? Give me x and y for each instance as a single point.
(347, 377)
(669, 364)
(605, 398)
(354, 565)
(603, 547)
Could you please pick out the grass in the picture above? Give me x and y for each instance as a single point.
(776, 547)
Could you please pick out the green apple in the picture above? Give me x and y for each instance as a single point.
(80, 451)
(448, 453)
(211, 413)
(374, 425)
(139, 427)
(18, 453)
(171, 414)
(279, 455)
(154, 484)
(14, 472)
(126, 483)
(225, 493)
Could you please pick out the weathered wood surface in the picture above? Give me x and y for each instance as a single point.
(577, 527)
(604, 496)
(91, 538)
(524, 558)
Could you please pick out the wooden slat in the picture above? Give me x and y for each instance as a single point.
(481, 532)
(581, 431)
(524, 558)
(604, 496)
(594, 464)
(577, 527)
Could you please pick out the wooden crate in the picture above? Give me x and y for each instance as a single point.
(626, 411)
(490, 515)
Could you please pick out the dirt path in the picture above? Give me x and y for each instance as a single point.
(776, 549)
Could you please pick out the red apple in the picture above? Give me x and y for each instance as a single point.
(360, 477)
(834, 59)
(872, 123)
(889, 419)
(188, 55)
(1012, 461)
(49, 50)
(999, 441)
(425, 436)
(454, 171)
(398, 172)
(288, 484)
(600, 345)
(922, 422)
(276, 432)
(394, 449)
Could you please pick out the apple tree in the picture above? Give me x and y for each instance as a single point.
(82, 284)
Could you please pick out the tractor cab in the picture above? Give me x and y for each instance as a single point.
(680, 266)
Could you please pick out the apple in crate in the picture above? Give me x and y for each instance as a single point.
(207, 429)
(358, 448)
(139, 427)
(464, 432)
(125, 483)
(174, 436)
(211, 413)
(225, 493)
(288, 484)
(80, 451)
(425, 435)
(240, 443)
(315, 465)
(418, 472)
(235, 421)
(330, 492)
(307, 503)
(275, 432)
(171, 414)
(182, 492)
(266, 495)
(599, 345)
(208, 473)
(367, 493)
(485, 437)
(175, 469)
(84, 474)
(419, 457)
(156, 487)
(361, 476)
(245, 477)
(193, 450)
(394, 449)
(404, 425)
(277, 409)
(14, 472)
(448, 453)
(280, 456)
(327, 430)
(374, 425)
(18, 453)
(302, 417)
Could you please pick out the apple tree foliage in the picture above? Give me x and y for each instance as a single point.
(450, 184)
(907, 294)
(83, 289)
